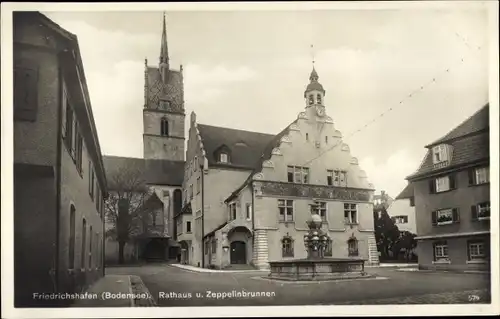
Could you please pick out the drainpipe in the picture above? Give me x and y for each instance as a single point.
(202, 216)
(58, 172)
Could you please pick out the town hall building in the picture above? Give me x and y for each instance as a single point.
(235, 197)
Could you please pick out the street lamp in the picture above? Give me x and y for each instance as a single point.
(226, 248)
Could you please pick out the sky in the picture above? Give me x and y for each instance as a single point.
(248, 70)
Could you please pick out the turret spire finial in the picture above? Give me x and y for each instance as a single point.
(164, 45)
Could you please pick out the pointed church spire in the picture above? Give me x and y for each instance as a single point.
(164, 45)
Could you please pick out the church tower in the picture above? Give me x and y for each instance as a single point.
(163, 114)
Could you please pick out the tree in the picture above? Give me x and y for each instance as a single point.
(386, 232)
(407, 242)
(125, 207)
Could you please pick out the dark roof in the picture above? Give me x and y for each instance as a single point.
(470, 142)
(245, 147)
(407, 192)
(265, 155)
(151, 171)
(477, 122)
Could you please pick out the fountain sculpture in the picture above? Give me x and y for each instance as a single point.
(316, 266)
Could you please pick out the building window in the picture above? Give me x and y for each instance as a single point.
(232, 211)
(223, 158)
(328, 248)
(90, 247)
(336, 178)
(164, 127)
(445, 216)
(476, 250)
(71, 256)
(439, 154)
(25, 91)
(311, 99)
(248, 211)
(481, 211)
(198, 185)
(412, 201)
(185, 195)
(297, 174)
(188, 227)
(84, 242)
(214, 246)
(307, 136)
(442, 184)
(320, 209)
(479, 176)
(79, 151)
(191, 191)
(352, 247)
(287, 246)
(351, 213)
(207, 247)
(195, 163)
(91, 181)
(285, 207)
(326, 139)
(318, 98)
(441, 251)
(400, 219)
(68, 129)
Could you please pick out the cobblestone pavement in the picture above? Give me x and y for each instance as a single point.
(171, 286)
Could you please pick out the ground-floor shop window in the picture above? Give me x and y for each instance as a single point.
(441, 251)
(476, 250)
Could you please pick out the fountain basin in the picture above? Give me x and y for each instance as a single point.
(310, 269)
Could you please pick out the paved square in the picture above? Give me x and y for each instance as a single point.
(171, 286)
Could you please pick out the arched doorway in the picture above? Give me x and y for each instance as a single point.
(238, 252)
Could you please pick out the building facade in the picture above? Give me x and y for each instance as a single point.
(251, 193)
(402, 210)
(452, 198)
(59, 180)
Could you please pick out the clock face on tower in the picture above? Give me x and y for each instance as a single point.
(320, 110)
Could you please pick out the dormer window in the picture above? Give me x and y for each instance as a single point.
(223, 158)
(439, 154)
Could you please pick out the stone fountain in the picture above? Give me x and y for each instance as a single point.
(316, 267)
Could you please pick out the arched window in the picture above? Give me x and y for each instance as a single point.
(164, 127)
(328, 248)
(311, 99)
(90, 247)
(352, 246)
(318, 99)
(71, 256)
(287, 246)
(307, 136)
(84, 241)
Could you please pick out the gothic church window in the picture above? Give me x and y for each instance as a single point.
(287, 246)
(71, 256)
(164, 127)
(84, 242)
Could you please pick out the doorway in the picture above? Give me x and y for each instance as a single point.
(238, 252)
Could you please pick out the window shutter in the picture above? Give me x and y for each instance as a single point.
(452, 181)
(434, 251)
(456, 215)
(468, 250)
(471, 177)
(434, 218)
(432, 186)
(25, 90)
(473, 211)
